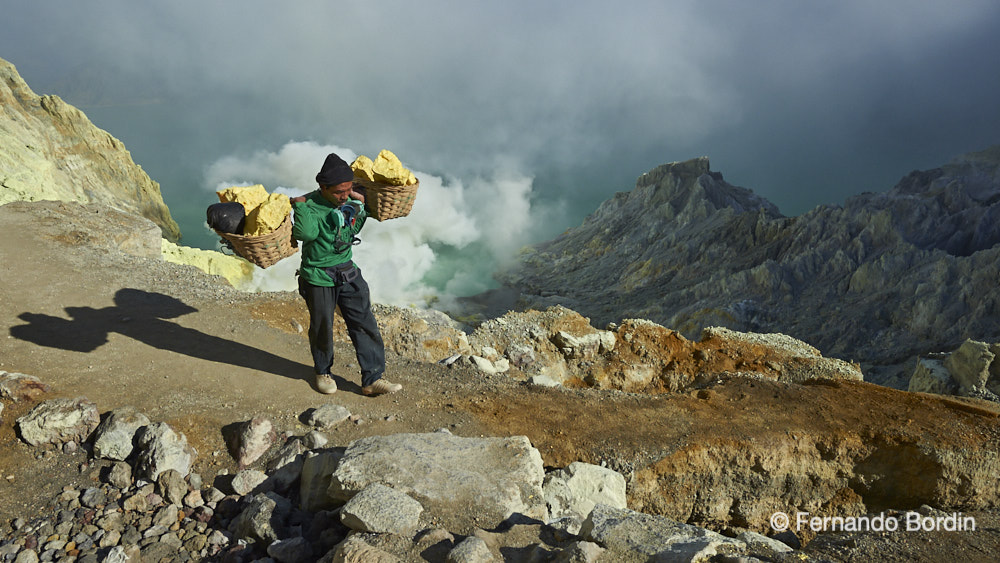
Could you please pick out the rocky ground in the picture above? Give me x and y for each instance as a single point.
(184, 349)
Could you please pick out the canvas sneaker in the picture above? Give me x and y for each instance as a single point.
(380, 387)
(325, 383)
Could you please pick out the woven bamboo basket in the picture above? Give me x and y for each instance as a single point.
(264, 250)
(387, 202)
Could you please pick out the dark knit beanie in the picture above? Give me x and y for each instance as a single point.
(335, 171)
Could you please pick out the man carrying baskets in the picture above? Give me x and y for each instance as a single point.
(326, 221)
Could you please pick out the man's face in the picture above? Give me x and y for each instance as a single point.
(337, 193)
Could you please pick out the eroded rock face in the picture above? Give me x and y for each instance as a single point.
(49, 150)
(561, 346)
(971, 370)
(687, 250)
(842, 465)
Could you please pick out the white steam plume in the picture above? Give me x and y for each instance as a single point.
(479, 226)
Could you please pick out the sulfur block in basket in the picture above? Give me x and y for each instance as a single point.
(362, 167)
(268, 216)
(249, 196)
(387, 169)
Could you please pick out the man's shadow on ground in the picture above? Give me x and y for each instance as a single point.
(141, 315)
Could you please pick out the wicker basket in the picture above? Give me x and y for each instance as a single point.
(387, 202)
(264, 250)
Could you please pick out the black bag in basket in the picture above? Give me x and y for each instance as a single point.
(227, 217)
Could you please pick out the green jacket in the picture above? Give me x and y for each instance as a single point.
(323, 244)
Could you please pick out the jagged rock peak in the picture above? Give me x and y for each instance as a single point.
(686, 169)
(978, 175)
(692, 181)
(50, 150)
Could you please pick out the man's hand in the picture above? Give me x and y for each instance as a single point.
(357, 196)
(297, 199)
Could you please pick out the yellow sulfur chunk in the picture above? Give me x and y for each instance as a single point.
(387, 169)
(362, 167)
(249, 196)
(268, 216)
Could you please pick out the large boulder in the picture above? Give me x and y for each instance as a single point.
(463, 482)
(59, 421)
(117, 434)
(161, 448)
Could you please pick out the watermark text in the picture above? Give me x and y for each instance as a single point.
(905, 522)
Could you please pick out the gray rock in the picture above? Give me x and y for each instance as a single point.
(286, 466)
(625, 531)
(158, 551)
(193, 499)
(119, 475)
(171, 486)
(263, 519)
(751, 538)
(587, 346)
(212, 495)
(969, 365)
(166, 516)
(930, 376)
(381, 509)
(314, 440)
(355, 549)
(317, 473)
(579, 552)
(454, 478)
(115, 436)
(161, 449)
(327, 416)
(573, 492)
(117, 554)
(292, 550)
(246, 481)
(58, 421)
(701, 549)
(471, 550)
(251, 439)
(18, 387)
(93, 497)
(483, 365)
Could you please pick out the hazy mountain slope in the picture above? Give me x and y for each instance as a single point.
(49, 150)
(878, 280)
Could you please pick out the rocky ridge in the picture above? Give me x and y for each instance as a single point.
(687, 250)
(49, 150)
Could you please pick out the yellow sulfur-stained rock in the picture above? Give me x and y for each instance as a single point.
(238, 272)
(249, 196)
(387, 169)
(362, 167)
(268, 216)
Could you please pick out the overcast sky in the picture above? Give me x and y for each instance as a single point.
(804, 102)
